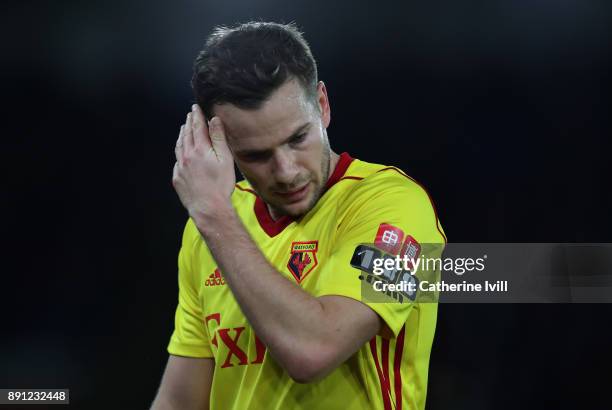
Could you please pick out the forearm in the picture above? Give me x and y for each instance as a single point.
(285, 317)
(185, 385)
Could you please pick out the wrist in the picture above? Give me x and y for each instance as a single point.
(213, 217)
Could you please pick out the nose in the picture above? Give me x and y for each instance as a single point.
(284, 167)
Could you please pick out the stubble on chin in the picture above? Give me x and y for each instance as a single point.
(318, 192)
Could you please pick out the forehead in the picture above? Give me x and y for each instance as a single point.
(285, 110)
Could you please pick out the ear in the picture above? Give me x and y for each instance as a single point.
(323, 102)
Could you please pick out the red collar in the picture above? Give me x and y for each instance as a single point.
(272, 227)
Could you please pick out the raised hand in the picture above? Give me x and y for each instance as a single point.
(203, 174)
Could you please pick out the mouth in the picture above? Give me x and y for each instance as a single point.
(295, 195)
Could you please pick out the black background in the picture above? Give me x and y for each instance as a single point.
(500, 108)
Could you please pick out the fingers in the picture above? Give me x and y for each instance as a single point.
(192, 133)
(199, 127)
(218, 140)
(195, 133)
(175, 175)
(178, 149)
(188, 132)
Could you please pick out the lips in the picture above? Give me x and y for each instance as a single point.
(295, 195)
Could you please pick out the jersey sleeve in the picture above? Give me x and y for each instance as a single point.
(189, 338)
(395, 205)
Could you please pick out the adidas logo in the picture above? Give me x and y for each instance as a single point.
(215, 279)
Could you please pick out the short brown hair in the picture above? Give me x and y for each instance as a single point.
(245, 64)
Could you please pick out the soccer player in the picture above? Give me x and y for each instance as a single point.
(270, 313)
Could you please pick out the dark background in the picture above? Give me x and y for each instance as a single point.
(500, 108)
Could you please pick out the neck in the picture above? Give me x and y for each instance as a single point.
(333, 162)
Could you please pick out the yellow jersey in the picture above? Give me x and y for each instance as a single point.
(363, 203)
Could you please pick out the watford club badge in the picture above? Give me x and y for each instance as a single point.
(303, 259)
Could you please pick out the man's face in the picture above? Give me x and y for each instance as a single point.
(282, 147)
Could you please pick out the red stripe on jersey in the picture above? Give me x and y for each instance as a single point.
(384, 385)
(351, 177)
(397, 371)
(395, 169)
(385, 363)
(246, 189)
(399, 171)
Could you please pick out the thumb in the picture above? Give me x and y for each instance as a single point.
(217, 138)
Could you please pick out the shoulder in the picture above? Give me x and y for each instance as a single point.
(387, 194)
(191, 237)
(243, 189)
(381, 183)
(243, 195)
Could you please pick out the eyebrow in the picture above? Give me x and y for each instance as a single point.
(299, 130)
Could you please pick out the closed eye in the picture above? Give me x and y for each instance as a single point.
(297, 139)
(256, 156)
